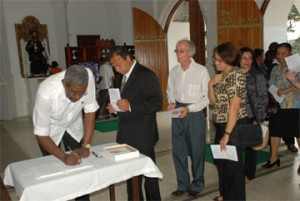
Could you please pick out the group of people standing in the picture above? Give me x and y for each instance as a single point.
(237, 93)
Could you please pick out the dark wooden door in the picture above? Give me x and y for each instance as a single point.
(241, 23)
(197, 31)
(150, 43)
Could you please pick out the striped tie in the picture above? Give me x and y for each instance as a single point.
(123, 82)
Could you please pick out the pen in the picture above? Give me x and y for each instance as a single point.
(96, 155)
(79, 160)
(72, 151)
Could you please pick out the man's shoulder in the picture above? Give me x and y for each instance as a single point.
(142, 68)
(54, 78)
(52, 84)
(199, 67)
(106, 65)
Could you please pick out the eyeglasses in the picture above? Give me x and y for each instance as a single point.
(75, 93)
(246, 58)
(180, 51)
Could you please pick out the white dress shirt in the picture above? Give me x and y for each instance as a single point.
(130, 70)
(189, 86)
(54, 113)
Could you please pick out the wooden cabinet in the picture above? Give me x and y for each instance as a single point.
(75, 55)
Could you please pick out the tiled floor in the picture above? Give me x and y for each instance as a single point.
(18, 143)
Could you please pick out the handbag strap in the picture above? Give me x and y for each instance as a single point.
(254, 111)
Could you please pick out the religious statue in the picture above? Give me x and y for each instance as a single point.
(37, 57)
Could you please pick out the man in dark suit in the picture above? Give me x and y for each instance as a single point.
(141, 98)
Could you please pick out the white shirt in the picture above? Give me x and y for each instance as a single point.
(54, 113)
(130, 70)
(106, 73)
(190, 86)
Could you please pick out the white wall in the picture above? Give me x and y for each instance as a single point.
(177, 31)
(111, 19)
(7, 96)
(275, 19)
(14, 12)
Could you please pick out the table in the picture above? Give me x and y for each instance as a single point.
(4, 195)
(102, 172)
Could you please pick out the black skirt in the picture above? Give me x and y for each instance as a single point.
(286, 123)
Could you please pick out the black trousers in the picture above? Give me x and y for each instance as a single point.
(250, 159)
(250, 162)
(69, 142)
(151, 184)
(103, 101)
(231, 173)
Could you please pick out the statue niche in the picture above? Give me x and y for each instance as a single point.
(33, 47)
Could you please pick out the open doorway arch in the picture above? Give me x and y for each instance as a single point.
(275, 21)
(185, 20)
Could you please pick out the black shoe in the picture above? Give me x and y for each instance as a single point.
(298, 170)
(193, 194)
(292, 148)
(270, 165)
(178, 192)
(218, 198)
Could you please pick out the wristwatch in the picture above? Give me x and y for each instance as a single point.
(88, 146)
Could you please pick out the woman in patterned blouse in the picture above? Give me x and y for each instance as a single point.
(227, 94)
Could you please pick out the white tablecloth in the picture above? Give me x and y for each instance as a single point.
(104, 172)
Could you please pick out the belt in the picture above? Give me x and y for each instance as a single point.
(182, 104)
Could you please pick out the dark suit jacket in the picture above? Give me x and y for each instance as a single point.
(138, 128)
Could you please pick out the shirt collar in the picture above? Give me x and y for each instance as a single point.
(191, 64)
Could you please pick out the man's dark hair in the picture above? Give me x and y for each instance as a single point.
(119, 50)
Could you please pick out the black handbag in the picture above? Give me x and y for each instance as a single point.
(272, 107)
(246, 135)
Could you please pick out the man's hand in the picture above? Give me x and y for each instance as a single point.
(124, 105)
(72, 159)
(82, 152)
(184, 112)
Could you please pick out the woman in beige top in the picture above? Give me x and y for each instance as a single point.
(227, 94)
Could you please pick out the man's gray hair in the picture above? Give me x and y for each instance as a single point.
(76, 74)
(191, 46)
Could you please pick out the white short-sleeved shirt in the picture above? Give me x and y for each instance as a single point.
(107, 73)
(190, 86)
(54, 113)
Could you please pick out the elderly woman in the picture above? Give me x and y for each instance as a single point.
(286, 122)
(227, 94)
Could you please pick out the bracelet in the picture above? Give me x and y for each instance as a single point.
(226, 133)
